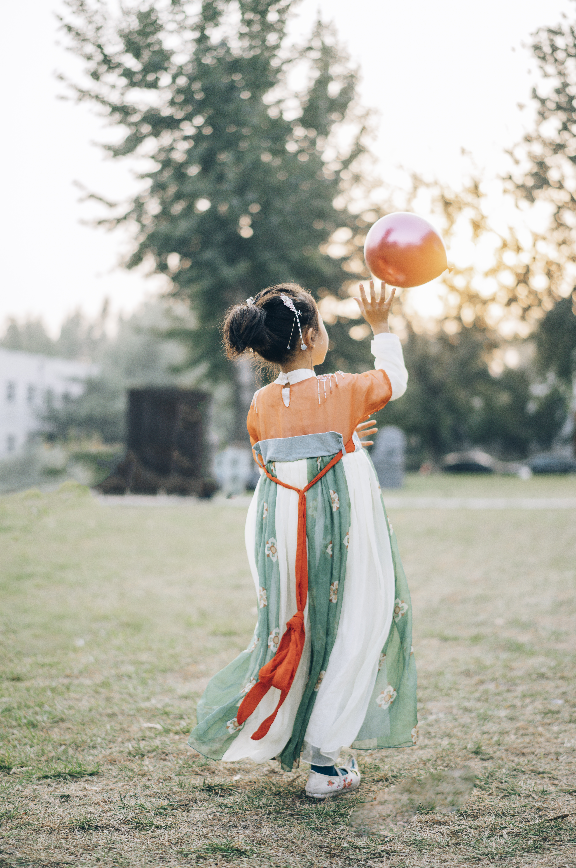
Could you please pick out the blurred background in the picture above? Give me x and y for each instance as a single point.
(166, 160)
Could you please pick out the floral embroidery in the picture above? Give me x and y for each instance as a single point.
(271, 549)
(329, 549)
(248, 686)
(255, 639)
(264, 511)
(334, 592)
(233, 726)
(262, 597)
(381, 661)
(400, 608)
(414, 735)
(319, 682)
(274, 639)
(335, 500)
(347, 540)
(387, 697)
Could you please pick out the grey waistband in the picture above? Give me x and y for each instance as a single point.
(296, 448)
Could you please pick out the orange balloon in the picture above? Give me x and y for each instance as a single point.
(404, 250)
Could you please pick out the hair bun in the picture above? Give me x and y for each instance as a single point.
(246, 328)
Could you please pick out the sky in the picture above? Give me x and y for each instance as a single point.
(440, 77)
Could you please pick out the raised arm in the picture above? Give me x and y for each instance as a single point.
(386, 347)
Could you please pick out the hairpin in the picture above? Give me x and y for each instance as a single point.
(290, 304)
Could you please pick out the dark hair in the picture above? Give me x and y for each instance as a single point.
(267, 326)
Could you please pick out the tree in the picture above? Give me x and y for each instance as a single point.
(454, 402)
(556, 341)
(546, 174)
(512, 275)
(136, 354)
(29, 336)
(545, 158)
(246, 180)
(80, 338)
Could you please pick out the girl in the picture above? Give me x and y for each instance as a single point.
(330, 663)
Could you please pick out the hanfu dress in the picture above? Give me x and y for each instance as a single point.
(333, 601)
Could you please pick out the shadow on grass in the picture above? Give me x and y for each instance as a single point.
(69, 772)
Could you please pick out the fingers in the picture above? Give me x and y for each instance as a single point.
(371, 306)
(361, 306)
(366, 429)
(370, 301)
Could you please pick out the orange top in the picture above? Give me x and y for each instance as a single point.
(345, 400)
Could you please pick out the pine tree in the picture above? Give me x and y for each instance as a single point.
(247, 176)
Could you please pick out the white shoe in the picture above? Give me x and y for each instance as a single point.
(324, 786)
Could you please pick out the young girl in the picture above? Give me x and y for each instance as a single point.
(330, 664)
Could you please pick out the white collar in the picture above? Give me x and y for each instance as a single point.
(293, 377)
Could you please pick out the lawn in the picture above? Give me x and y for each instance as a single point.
(113, 617)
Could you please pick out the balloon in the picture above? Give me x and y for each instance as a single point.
(404, 250)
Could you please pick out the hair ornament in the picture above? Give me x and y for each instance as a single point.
(291, 306)
(249, 301)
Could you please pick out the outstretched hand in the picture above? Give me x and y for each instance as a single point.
(366, 429)
(375, 311)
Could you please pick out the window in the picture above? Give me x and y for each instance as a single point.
(10, 390)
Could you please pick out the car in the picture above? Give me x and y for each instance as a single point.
(477, 461)
(552, 464)
(469, 461)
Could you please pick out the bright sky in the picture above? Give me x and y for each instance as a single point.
(442, 76)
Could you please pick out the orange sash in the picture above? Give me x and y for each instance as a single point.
(280, 671)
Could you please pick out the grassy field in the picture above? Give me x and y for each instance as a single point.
(486, 485)
(113, 617)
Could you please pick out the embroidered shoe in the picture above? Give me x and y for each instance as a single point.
(324, 786)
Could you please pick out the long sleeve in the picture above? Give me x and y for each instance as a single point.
(387, 351)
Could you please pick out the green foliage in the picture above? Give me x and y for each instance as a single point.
(136, 350)
(245, 178)
(454, 402)
(546, 155)
(521, 276)
(556, 340)
(138, 354)
(253, 166)
(80, 338)
(546, 175)
(30, 337)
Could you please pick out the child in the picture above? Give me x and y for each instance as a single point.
(330, 664)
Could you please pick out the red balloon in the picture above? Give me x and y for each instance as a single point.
(404, 250)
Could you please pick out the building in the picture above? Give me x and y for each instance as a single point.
(28, 383)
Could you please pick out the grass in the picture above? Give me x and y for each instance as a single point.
(486, 485)
(114, 617)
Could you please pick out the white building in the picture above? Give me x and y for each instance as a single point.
(27, 383)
